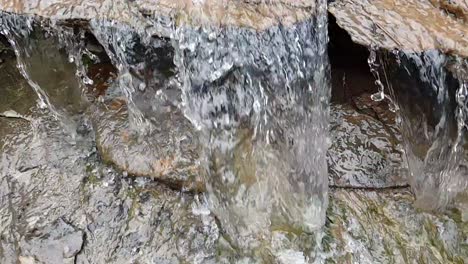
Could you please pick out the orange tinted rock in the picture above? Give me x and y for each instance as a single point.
(408, 25)
(253, 14)
(168, 154)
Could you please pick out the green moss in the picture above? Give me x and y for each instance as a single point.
(92, 178)
(87, 61)
(134, 195)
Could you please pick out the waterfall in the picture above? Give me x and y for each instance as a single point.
(259, 99)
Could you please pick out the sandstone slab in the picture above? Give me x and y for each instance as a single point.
(160, 15)
(414, 25)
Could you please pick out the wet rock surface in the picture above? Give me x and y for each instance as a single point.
(17, 96)
(384, 227)
(60, 204)
(57, 196)
(416, 25)
(169, 153)
(364, 151)
(107, 217)
(57, 193)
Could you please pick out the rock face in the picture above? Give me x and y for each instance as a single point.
(364, 151)
(384, 227)
(414, 25)
(59, 203)
(53, 196)
(458, 8)
(55, 244)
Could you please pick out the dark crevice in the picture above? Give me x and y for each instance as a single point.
(350, 72)
(5, 49)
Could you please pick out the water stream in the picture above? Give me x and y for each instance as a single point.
(432, 100)
(39, 52)
(260, 102)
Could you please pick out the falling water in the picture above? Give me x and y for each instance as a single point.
(432, 99)
(374, 66)
(39, 53)
(121, 42)
(260, 102)
(18, 30)
(372, 61)
(258, 94)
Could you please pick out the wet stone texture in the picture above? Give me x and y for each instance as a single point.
(35, 188)
(169, 152)
(364, 150)
(251, 14)
(60, 205)
(384, 227)
(60, 202)
(57, 243)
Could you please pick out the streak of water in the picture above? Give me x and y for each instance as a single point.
(120, 43)
(432, 118)
(39, 55)
(18, 30)
(374, 67)
(260, 101)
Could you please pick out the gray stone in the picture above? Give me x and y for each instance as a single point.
(55, 244)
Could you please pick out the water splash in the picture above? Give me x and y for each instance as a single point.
(260, 101)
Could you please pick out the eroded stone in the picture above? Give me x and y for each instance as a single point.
(384, 227)
(252, 14)
(46, 175)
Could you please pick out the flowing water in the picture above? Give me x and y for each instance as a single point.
(432, 99)
(260, 102)
(258, 98)
(245, 105)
